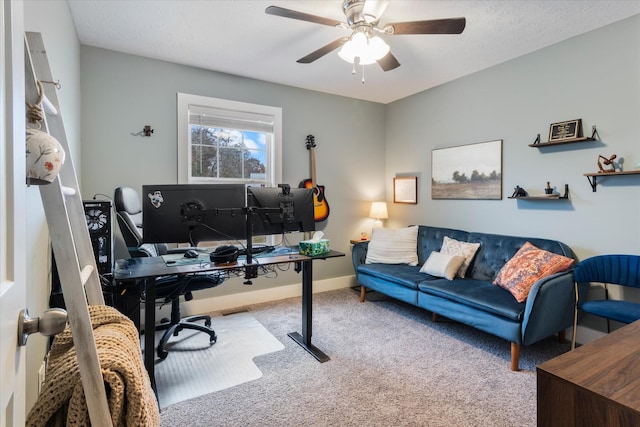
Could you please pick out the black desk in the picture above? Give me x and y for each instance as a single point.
(147, 269)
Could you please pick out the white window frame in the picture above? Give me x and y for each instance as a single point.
(274, 150)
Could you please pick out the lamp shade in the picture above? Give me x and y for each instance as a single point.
(378, 210)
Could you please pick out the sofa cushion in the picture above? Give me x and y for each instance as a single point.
(464, 249)
(479, 294)
(495, 250)
(400, 274)
(430, 239)
(442, 265)
(393, 246)
(527, 266)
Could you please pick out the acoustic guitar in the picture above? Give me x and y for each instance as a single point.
(320, 205)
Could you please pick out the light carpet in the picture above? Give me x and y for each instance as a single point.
(194, 367)
(391, 365)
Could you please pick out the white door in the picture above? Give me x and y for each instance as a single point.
(12, 213)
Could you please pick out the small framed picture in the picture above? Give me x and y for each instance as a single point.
(405, 190)
(571, 129)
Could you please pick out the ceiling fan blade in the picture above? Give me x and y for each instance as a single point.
(388, 62)
(288, 13)
(435, 26)
(373, 10)
(323, 51)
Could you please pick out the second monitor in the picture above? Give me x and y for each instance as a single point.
(280, 210)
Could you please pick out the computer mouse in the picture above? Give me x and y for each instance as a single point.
(191, 253)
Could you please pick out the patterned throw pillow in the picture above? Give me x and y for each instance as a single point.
(393, 246)
(442, 265)
(456, 247)
(527, 266)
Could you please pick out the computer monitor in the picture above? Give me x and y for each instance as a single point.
(192, 213)
(280, 210)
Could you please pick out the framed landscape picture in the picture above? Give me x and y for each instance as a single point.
(471, 171)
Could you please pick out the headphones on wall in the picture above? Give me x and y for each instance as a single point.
(224, 255)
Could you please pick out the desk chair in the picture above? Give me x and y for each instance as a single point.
(623, 270)
(170, 288)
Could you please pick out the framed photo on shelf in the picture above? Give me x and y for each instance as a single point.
(405, 190)
(471, 171)
(561, 131)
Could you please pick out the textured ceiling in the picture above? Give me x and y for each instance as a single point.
(237, 37)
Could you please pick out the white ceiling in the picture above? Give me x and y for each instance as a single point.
(237, 37)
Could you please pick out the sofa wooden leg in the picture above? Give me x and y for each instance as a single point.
(363, 291)
(515, 356)
(434, 317)
(562, 336)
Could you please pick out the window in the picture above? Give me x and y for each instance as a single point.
(222, 141)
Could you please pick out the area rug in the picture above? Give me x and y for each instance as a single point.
(194, 367)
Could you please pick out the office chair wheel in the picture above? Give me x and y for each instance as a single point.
(207, 323)
(213, 338)
(162, 354)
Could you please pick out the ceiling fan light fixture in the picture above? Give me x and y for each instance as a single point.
(350, 49)
(362, 17)
(367, 49)
(378, 47)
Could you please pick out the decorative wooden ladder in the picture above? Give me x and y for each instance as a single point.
(69, 238)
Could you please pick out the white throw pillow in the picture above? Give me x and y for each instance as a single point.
(393, 246)
(456, 247)
(442, 265)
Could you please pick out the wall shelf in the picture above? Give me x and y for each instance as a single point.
(567, 141)
(594, 133)
(565, 196)
(593, 177)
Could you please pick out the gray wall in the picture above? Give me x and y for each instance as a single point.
(123, 93)
(595, 77)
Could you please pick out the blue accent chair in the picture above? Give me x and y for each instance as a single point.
(623, 270)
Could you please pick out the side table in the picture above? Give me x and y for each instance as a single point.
(597, 384)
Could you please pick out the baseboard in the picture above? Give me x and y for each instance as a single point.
(234, 301)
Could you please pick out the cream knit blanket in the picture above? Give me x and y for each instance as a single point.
(131, 399)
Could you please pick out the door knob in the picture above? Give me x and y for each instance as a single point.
(52, 322)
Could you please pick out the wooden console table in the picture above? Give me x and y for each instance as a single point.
(597, 384)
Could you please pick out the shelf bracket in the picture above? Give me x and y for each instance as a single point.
(594, 133)
(537, 141)
(593, 181)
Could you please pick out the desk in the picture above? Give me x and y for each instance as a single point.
(597, 384)
(148, 269)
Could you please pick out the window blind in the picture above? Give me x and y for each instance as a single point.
(230, 119)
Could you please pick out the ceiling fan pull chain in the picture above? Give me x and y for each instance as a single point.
(363, 74)
(353, 68)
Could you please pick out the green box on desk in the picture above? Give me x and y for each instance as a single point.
(314, 247)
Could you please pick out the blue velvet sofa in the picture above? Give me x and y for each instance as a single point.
(474, 300)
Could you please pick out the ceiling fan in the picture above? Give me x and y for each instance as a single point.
(363, 18)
